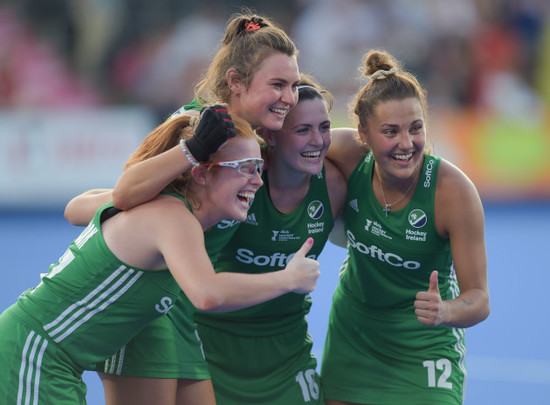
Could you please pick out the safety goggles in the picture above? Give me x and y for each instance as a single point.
(247, 167)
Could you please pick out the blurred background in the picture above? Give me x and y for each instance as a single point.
(82, 82)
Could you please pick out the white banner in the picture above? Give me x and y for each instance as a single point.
(49, 156)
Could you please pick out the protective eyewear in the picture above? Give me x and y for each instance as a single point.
(247, 167)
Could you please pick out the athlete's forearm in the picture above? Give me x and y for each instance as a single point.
(468, 309)
(81, 209)
(233, 291)
(145, 180)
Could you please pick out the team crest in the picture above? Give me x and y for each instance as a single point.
(417, 218)
(315, 209)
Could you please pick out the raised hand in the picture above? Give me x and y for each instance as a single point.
(214, 128)
(302, 270)
(429, 307)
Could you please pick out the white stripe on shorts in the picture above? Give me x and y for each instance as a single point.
(31, 363)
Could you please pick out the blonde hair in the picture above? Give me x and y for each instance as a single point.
(249, 39)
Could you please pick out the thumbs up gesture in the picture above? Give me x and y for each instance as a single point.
(302, 271)
(429, 307)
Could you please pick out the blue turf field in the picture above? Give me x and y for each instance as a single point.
(508, 361)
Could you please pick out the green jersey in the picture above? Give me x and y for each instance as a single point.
(90, 303)
(85, 308)
(262, 354)
(170, 347)
(373, 329)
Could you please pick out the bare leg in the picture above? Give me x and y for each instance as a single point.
(195, 392)
(121, 390)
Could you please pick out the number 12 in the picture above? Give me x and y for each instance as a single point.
(441, 364)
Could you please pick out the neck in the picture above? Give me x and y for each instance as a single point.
(399, 192)
(287, 188)
(206, 218)
(203, 210)
(394, 185)
(283, 176)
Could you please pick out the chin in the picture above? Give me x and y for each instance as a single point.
(273, 124)
(240, 215)
(313, 170)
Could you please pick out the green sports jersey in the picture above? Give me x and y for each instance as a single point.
(170, 347)
(90, 303)
(262, 354)
(266, 241)
(400, 251)
(373, 330)
(85, 308)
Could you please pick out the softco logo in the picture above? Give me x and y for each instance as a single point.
(226, 223)
(429, 170)
(376, 253)
(276, 260)
(368, 157)
(315, 209)
(417, 218)
(165, 305)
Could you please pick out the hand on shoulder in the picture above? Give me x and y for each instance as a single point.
(346, 149)
(336, 186)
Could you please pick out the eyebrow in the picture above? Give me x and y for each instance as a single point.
(279, 79)
(310, 125)
(397, 126)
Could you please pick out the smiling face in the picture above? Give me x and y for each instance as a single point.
(397, 137)
(302, 143)
(230, 192)
(271, 94)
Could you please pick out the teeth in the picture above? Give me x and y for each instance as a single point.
(248, 196)
(311, 154)
(402, 157)
(281, 111)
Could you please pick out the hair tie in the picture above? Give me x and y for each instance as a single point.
(382, 74)
(179, 111)
(251, 26)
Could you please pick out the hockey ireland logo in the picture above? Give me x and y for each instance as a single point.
(417, 218)
(315, 209)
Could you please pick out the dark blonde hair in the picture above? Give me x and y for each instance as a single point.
(249, 39)
(388, 81)
(309, 89)
(167, 135)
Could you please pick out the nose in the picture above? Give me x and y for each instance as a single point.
(405, 141)
(316, 138)
(257, 179)
(290, 96)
